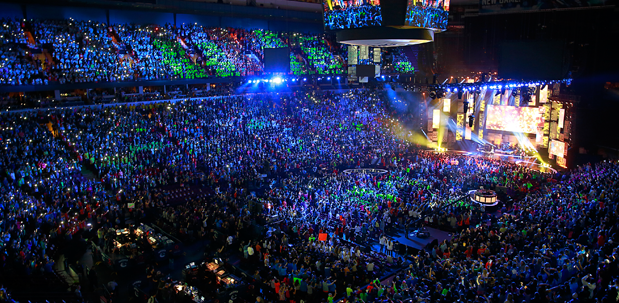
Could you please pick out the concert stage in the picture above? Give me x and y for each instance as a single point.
(528, 161)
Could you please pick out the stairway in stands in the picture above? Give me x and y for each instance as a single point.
(35, 50)
(123, 50)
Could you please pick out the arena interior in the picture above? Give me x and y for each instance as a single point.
(309, 151)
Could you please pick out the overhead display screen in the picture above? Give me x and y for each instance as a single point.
(515, 119)
(427, 14)
(345, 14)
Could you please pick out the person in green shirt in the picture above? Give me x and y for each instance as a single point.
(348, 291)
(331, 297)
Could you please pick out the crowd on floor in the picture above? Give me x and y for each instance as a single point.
(263, 177)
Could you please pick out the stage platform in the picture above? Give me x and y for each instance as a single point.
(415, 243)
(527, 161)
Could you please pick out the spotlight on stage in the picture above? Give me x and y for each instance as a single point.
(526, 96)
(471, 120)
(433, 94)
(440, 93)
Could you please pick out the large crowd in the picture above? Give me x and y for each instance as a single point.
(275, 189)
(41, 52)
(352, 16)
(38, 52)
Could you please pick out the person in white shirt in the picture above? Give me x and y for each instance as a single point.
(390, 248)
(383, 243)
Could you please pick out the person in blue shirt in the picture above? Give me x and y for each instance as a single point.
(574, 286)
(282, 271)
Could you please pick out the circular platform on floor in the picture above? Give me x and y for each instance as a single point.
(485, 198)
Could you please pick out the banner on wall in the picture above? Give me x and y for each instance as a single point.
(446, 105)
(377, 55)
(496, 100)
(517, 100)
(543, 95)
(363, 52)
(460, 127)
(352, 55)
(553, 131)
(352, 72)
(533, 100)
(561, 162)
(557, 148)
(436, 118)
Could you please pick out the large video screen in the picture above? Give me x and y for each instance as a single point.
(345, 14)
(427, 14)
(557, 148)
(515, 119)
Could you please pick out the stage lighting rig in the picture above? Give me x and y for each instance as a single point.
(471, 120)
(433, 94)
(526, 95)
(440, 93)
(436, 92)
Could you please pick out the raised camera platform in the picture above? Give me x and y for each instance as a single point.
(486, 198)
